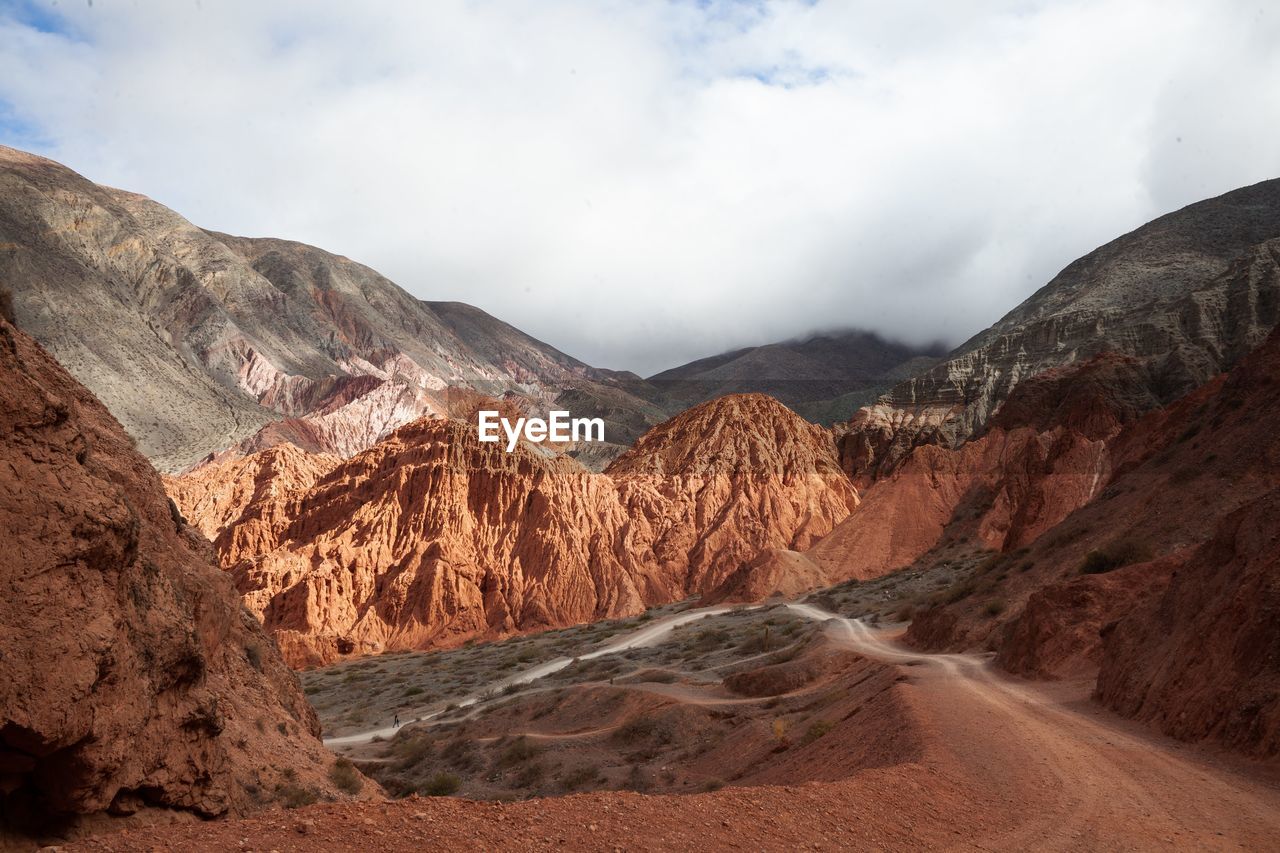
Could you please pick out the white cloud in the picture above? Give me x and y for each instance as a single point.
(640, 183)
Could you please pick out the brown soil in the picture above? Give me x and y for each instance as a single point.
(1002, 764)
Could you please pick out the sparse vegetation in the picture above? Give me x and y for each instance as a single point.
(816, 729)
(345, 777)
(519, 751)
(6, 306)
(580, 776)
(643, 728)
(761, 641)
(440, 785)
(1120, 553)
(295, 796)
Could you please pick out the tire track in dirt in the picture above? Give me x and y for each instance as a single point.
(1071, 779)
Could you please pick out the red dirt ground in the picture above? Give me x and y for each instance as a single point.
(1007, 765)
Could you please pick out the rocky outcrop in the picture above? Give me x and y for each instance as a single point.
(432, 537)
(728, 479)
(1174, 552)
(773, 572)
(241, 503)
(1057, 635)
(1202, 660)
(1187, 295)
(199, 341)
(130, 675)
(1045, 455)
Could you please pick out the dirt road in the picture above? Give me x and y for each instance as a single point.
(1009, 765)
(1073, 776)
(648, 635)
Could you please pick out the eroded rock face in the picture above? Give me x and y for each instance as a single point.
(1202, 660)
(1057, 635)
(1044, 456)
(1187, 640)
(1187, 295)
(728, 479)
(130, 674)
(432, 537)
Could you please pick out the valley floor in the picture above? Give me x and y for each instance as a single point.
(1006, 765)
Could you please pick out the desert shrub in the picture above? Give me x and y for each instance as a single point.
(780, 734)
(713, 785)
(410, 750)
(460, 753)
(904, 613)
(254, 655)
(295, 796)
(958, 591)
(6, 306)
(345, 777)
(757, 642)
(440, 785)
(530, 775)
(415, 690)
(580, 776)
(711, 638)
(990, 564)
(641, 728)
(994, 607)
(518, 751)
(637, 779)
(816, 730)
(1120, 553)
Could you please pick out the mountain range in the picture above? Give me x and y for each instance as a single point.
(1088, 490)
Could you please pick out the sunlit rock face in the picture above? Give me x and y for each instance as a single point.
(432, 537)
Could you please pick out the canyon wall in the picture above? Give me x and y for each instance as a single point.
(131, 677)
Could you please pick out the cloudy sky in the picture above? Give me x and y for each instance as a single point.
(641, 183)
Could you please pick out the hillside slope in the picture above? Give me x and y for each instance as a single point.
(196, 340)
(823, 376)
(1187, 295)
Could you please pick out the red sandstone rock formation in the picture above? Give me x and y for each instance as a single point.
(432, 537)
(130, 675)
(1187, 640)
(728, 479)
(1044, 456)
(1202, 660)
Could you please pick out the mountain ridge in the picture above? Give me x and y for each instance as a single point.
(197, 340)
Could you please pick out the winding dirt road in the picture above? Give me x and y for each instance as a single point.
(649, 635)
(1072, 775)
(1008, 765)
(1061, 772)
